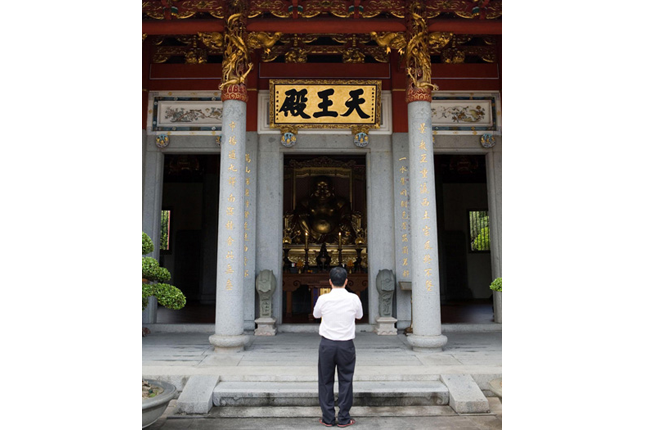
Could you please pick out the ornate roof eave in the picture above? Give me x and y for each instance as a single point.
(299, 9)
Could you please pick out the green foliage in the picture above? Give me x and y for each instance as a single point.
(479, 231)
(496, 285)
(149, 268)
(146, 244)
(162, 274)
(148, 291)
(152, 272)
(482, 241)
(167, 295)
(165, 220)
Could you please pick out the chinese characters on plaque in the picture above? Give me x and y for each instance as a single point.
(325, 103)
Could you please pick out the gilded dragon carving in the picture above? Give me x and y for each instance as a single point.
(417, 50)
(390, 41)
(236, 53)
(262, 40)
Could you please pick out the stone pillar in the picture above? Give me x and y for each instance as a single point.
(424, 255)
(402, 227)
(152, 196)
(250, 197)
(494, 173)
(380, 215)
(229, 316)
(269, 223)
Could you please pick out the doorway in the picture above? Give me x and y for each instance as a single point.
(324, 225)
(464, 239)
(190, 206)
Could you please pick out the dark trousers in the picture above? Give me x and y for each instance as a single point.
(334, 355)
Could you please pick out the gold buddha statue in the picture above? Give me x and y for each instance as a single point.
(323, 215)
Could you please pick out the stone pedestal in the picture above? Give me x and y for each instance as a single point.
(427, 343)
(385, 326)
(228, 344)
(266, 327)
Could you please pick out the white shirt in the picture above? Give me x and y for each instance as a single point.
(338, 309)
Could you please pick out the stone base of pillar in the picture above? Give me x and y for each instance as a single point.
(266, 327)
(227, 344)
(385, 326)
(427, 343)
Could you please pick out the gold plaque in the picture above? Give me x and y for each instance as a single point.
(325, 103)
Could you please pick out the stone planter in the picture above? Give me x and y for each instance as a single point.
(153, 408)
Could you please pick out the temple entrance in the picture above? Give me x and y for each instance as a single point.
(190, 205)
(325, 224)
(464, 239)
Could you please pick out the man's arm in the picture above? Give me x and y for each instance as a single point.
(359, 308)
(317, 308)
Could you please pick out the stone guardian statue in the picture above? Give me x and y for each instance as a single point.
(385, 286)
(265, 285)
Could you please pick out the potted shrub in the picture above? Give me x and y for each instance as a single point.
(156, 395)
(496, 286)
(155, 278)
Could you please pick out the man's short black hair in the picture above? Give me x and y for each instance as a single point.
(338, 275)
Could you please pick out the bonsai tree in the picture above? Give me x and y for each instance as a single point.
(496, 285)
(154, 278)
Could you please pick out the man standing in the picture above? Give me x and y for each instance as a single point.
(338, 309)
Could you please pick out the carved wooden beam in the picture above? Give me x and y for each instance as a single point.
(320, 25)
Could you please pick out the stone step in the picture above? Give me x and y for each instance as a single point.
(314, 411)
(366, 393)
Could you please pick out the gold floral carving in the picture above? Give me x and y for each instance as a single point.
(453, 56)
(353, 55)
(277, 8)
(360, 129)
(159, 58)
(153, 9)
(212, 40)
(296, 55)
(182, 9)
